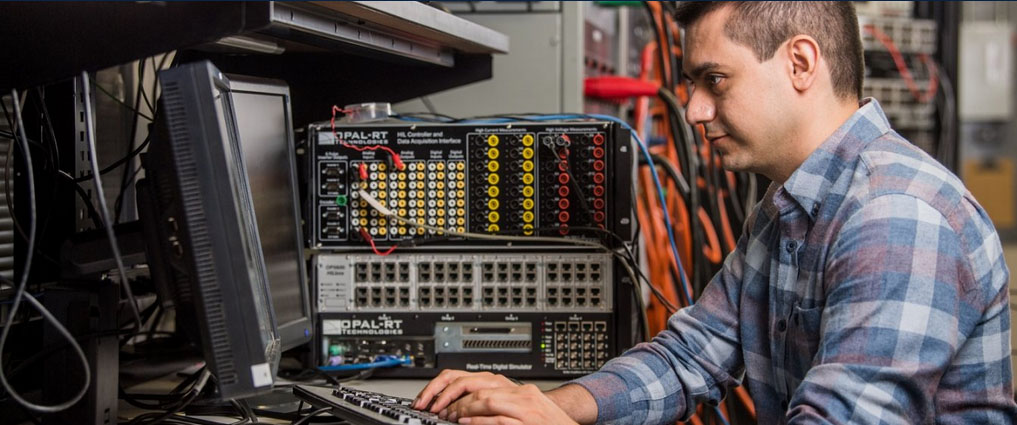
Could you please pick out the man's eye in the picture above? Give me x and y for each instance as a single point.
(713, 80)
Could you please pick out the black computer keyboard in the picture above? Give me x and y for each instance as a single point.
(365, 407)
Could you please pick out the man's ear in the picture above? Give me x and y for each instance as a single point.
(803, 52)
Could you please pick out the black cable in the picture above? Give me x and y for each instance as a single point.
(118, 205)
(703, 267)
(8, 168)
(20, 291)
(673, 40)
(188, 420)
(573, 183)
(40, 99)
(674, 175)
(662, 53)
(245, 412)
(359, 376)
(539, 231)
(676, 278)
(644, 321)
(232, 410)
(669, 6)
(7, 116)
(146, 315)
(307, 419)
(9, 186)
(689, 146)
(155, 322)
(160, 417)
(289, 416)
(128, 177)
(331, 379)
(118, 162)
(175, 399)
(669, 168)
(735, 198)
(47, 163)
(92, 213)
(192, 394)
(52, 159)
(712, 187)
(100, 194)
(634, 263)
(714, 184)
(52, 349)
(670, 42)
(307, 375)
(141, 79)
(634, 260)
(732, 196)
(174, 396)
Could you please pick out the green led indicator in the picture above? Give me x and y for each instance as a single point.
(340, 200)
(543, 346)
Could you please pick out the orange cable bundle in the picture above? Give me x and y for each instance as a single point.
(717, 231)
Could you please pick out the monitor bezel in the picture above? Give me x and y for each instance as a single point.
(300, 331)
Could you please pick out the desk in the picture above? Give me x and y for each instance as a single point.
(286, 402)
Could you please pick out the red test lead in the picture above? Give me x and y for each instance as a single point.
(396, 160)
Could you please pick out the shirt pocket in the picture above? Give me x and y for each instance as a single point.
(804, 335)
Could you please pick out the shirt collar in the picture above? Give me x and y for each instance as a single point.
(811, 182)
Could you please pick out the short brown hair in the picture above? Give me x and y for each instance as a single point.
(764, 25)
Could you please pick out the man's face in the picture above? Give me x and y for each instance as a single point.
(744, 104)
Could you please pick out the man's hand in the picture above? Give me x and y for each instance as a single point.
(449, 385)
(486, 398)
(517, 405)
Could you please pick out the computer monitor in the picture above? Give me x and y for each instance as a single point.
(262, 107)
(202, 240)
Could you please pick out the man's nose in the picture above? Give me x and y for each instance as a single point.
(700, 110)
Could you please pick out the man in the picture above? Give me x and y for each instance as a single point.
(868, 287)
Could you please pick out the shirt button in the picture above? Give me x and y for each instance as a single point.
(815, 209)
(791, 246)
(781, 325)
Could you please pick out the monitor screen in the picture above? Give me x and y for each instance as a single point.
(262, 109)
(202, 239)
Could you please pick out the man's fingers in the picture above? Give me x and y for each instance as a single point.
(513, 405)
(436, 386)
(489, 402)
(468, 384)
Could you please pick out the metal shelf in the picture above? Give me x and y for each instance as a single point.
(432, 50)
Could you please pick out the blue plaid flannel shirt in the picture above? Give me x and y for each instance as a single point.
(869, 288)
